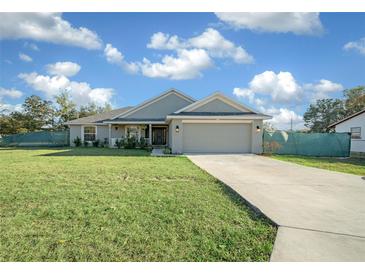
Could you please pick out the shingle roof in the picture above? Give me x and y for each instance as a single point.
(134, 119)
(212, 113)
(98, 118)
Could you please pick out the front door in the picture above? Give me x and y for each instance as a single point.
(158, 136)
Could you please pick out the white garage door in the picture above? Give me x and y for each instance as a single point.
(221, 138)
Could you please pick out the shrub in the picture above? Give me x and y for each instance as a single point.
(142, 143)
(119, 143)
(148, 148)
(86, 143)
(167, 150)
(130, 142)
(96, 143)
(77, 141)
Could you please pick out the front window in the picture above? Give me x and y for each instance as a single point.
(89, 133)
(356, 133)
(132, 131)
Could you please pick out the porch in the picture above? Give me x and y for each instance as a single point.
(154, 134)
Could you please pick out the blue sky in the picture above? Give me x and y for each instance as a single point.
(276, 63)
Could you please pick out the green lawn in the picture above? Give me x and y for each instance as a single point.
(348, 165)
(73, 205)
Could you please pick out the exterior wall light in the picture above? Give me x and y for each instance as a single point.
(116, 128)
(177, 129)
(258, 129)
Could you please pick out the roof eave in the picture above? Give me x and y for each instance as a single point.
(221, 117)
(347, 118)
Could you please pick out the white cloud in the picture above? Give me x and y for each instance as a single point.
(283, 118)
(187, 65)
(114, 56)
(281, 22)
(48, 27)
(31, 46)
(210, 40)
(67, 69)
(191, 57)
(249, 95)
(25, 57)
(323, 89)
(356, 45)
(10, 93)
(80, 92)
(282, 87)
(161, 40)
(7, 108)
(219, 47)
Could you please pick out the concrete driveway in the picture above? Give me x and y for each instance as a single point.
(320, 214)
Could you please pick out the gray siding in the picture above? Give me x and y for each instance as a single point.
(257, 136)
(75, 131)
(357, 145)
(216, 105)
(161, 108)
(102, 132)
(176, 137)
(117, 131)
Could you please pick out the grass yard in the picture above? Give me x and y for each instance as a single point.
(74, 205)
(347, 165)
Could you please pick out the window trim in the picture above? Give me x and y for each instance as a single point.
(83, 132)
(137, 127)
(357, 136)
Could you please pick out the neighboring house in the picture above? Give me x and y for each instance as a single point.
(215, 124)
(354, 124)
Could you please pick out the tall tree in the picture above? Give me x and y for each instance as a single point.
(323, 113)
(39, 113)
(92, 109)
(14, 122)
(66, 109)
(354, 99)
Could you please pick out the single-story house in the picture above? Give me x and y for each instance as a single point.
(215, 124)
(354, 124)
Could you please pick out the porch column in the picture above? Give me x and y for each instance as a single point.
(150, 134)
(110, 134)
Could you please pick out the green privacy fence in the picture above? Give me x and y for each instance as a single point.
(308, 144)
(39, 138)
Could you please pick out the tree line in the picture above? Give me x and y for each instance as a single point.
(324, 112)
(37, 114)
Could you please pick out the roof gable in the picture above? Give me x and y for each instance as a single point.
(217, 102)
(158, 107)
(347, 118)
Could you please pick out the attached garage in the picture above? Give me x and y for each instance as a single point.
(217, 137)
